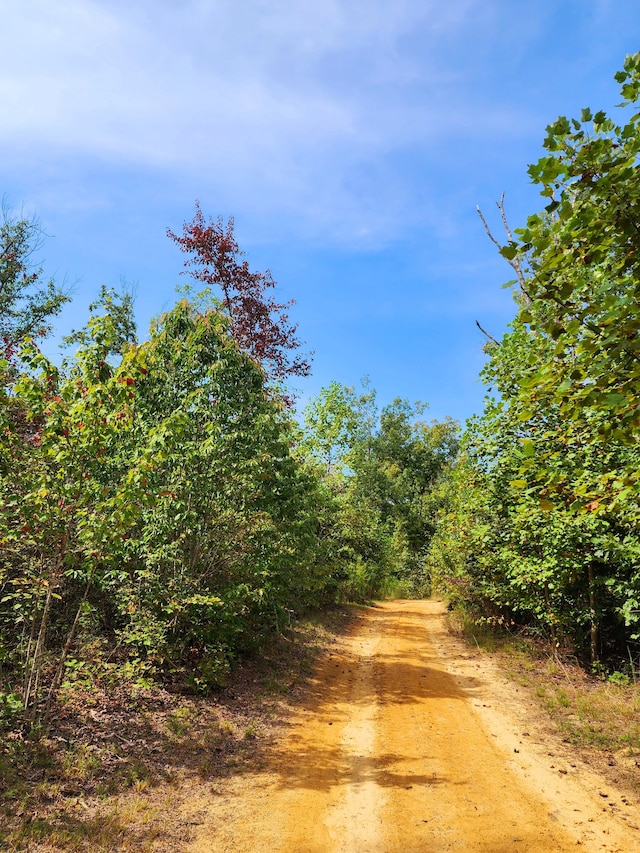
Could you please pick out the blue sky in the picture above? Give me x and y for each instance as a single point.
(350, 139)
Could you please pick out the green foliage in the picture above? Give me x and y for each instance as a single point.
(116, 333)
(584, 255)
(161, 511)
(10, 708)
(379, 469)
(26, 303)
(148, 494)
(544, 529)
(337, 421)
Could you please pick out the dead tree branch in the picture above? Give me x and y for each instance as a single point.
(514, 263)
(484, 332)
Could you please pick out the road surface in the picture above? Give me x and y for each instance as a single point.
(400, 746)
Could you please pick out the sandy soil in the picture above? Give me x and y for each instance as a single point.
(408, 741)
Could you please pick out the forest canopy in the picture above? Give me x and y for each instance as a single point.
(162, 509)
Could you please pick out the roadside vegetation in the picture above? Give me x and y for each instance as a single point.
(164, 517)
(162, 510)
(597, 715)
(538, 546)
(541, 530)
(119, 765)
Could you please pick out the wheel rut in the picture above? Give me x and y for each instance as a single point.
(394, 751)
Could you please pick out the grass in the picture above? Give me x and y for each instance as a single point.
(251, 730)
(181, 721)
(72, 834)
(274, 685)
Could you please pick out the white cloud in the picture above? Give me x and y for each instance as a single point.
(295, 106)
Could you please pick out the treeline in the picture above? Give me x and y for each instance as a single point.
(162, 510)
(541, 529)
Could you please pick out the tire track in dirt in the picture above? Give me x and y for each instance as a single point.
(390, 754)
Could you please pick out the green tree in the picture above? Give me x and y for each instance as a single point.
(154, 494)
(67, 502)
(551, 536)
(381, 467)
(338, 422)
(224, 546)
(583, 257)
(27, 304)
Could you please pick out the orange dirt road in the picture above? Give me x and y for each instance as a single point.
(395, 751)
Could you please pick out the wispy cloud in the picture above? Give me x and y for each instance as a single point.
(352, 140)
(288, 107)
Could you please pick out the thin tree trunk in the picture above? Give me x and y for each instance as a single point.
(65, 649)
(594, 638)
(33, 677)
(552, 624)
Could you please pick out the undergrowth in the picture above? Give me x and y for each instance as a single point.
(107, 773)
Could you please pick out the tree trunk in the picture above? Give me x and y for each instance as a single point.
(550, 615)
(34, 665)
(594, 638)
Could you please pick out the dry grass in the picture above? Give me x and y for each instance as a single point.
(598, 716)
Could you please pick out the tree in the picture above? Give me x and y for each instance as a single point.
(551, 516)
(258, 323)
(111, 338)
(583, 257)
(154, 493)
(26, 303)
(70, 496)
(224, 543)
(338, 421)
(382, 467)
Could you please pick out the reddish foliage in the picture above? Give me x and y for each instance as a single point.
(258, 323)
(9, 348)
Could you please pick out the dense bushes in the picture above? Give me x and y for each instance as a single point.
(153, 495)
(381, 467)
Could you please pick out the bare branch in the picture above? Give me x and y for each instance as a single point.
(514, 263)
(484, 332)
(503, 216)
(487, 229)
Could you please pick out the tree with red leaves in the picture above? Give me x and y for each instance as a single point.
(259, 324)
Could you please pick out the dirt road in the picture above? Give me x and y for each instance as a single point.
(405, 743)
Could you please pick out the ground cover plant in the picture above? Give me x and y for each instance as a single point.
(120, 758)
(163, 512)
(596, 715)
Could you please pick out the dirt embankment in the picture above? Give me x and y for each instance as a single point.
(406, 741)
